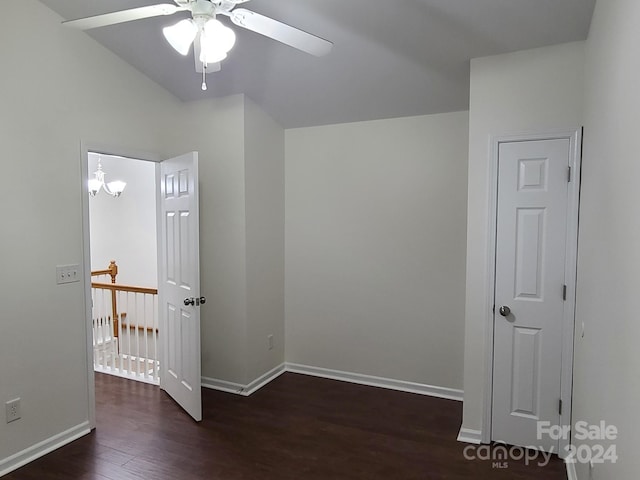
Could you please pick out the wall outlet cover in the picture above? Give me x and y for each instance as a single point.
(12, 410)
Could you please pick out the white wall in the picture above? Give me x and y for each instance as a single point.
(264, 180)
(241, 157)
(87, 94)
(124, 229)
(375, 241)
(215, 128)
(529, 91)
(78, 91)
(606, 379)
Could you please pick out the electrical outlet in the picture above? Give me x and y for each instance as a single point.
(12, 408)
(270, 341)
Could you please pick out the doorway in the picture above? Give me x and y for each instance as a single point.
(178, 278)
(534, 248)
(124, 267)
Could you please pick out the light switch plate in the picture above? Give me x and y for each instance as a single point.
(67, 274)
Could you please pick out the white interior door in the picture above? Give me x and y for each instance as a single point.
(531, 241)
(179, 285)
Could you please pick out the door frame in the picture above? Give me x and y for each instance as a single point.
(571, 255)
(106, 149)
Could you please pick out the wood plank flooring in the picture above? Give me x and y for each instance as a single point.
(297, 427)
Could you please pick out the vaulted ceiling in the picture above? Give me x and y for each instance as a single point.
(391, 58)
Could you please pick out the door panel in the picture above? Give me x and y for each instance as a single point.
(529, 244)
(530, 258)
(180, 280)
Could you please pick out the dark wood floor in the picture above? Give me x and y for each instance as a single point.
(297, 427)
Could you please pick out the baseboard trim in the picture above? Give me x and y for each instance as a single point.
(261, 381)
(369, 380)
(42, 448)
(244, 390)
(571, 471)
(467, 435)
(222, 385)
(389, 383)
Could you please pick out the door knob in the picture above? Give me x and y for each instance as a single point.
(195, 301)
(505, 311)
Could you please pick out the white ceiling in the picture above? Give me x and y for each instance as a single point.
(391, 58)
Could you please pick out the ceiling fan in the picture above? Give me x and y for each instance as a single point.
(211, 39)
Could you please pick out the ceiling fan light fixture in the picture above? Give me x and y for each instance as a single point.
(181, 35)
(211, 55)
(215, 39)
(216, 32)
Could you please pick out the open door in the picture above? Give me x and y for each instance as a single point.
(179, 283)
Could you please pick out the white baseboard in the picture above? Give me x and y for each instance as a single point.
(40, 449)
(261, 381)
(389, 383)
(244, 390)
(222, 385)
(571, 471)
(468, 435)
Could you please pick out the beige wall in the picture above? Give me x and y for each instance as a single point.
(264, 177)
(606, 385)
(82, 92)
(241, 167)
(375, 241)
(374, 218)
(125, 229)
(529, 91)
(215, 128)
(76, 90)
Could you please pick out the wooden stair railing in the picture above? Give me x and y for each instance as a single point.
(112, 271)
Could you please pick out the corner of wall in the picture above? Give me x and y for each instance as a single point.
(264, 198)
(536, 90)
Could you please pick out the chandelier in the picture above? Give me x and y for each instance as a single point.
(97, 183)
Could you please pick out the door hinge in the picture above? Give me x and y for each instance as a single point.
(564, 292)
(569, 174)
(560, 406)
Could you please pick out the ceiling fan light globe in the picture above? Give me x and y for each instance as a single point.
(223, 36)
(211, 54)
(181, 35)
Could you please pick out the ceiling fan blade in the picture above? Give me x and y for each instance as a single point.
(123, 16)
(280, 31)
(211, 67)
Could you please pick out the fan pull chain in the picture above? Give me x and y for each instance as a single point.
(204, 78)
